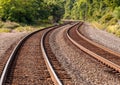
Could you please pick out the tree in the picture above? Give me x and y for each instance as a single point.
(55, 8)
(20, 11)
(68, 7)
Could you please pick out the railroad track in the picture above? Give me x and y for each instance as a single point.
(32, 62)
(102, 54)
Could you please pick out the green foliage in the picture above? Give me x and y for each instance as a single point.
(111, 29)
(68, 7)
(29, 11)
(17, 10)
(92, 9)
(116, 13)
(104, 13)
(4, 30)
(1, 24)
(50, 18)
(55, 8)
(117, 33)
(113, 21)
(114, 29)
(10, 25)
(106, 18)
(24, 29)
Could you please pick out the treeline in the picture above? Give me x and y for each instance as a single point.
(29, 11)
(103, 14)
(99, 10)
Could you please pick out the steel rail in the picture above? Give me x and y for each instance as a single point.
(49, 66)
(96, 44)
(99, 58)
(13, 54)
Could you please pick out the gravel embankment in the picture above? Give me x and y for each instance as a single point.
(83, 69)
(102, 37)
(7, 39)
(7, 43)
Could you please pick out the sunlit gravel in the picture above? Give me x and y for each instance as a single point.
(83, 69)
(102, 37)
(7, 39)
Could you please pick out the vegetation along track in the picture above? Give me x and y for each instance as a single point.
(27, 65)
(99, 52)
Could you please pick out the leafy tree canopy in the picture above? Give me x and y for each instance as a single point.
(28, 11)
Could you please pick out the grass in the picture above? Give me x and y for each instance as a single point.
(13, 26)
(1, 24)
(117, 33)
(111, 28)
(114, 29)
(41, 25)
(9, 25)
(24, 29)
(4, 30)
(97, 25)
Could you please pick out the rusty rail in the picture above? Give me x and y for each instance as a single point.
(96, 56)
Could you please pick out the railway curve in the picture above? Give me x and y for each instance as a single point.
(102, 54)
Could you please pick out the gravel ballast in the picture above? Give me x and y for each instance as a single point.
(83, 69)
(102, 37)
(7, 43)
(8, 39)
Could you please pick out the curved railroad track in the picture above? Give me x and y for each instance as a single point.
(32, 62)
(102, 54)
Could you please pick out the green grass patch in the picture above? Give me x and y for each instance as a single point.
(111, 29)
(24, 29)
(114, 29)
(9, 25)
(1, 24)
(4, 30)
(16, 27)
